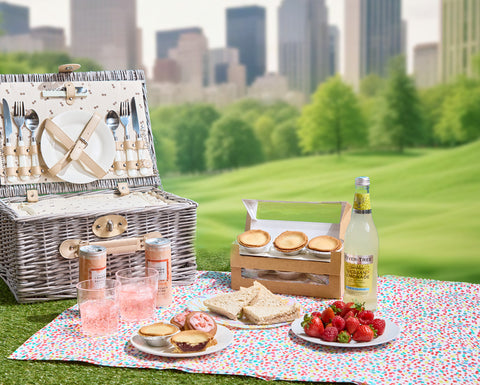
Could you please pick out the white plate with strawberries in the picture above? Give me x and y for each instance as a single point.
(392, 331)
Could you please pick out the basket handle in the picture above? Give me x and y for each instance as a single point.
(69, 248)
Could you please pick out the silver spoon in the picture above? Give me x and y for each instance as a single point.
(32, 122)
(113, 120)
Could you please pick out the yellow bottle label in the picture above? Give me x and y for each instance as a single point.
(362, 201)
(358, 273)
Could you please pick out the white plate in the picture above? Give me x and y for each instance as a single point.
(392, 331)
(224, 337)
(101, 146)
(196, 304)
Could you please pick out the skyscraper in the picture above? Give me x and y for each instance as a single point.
(106, 31)
(246, 32)
(14, 19)
(425, 64)
(373, 36)
(334, 49)
(167, 40)
(303, 43)
(460, 37)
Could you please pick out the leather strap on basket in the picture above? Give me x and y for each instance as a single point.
(75, 149)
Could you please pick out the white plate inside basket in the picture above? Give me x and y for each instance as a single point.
(101, 146)
(196, 304)
(223, 336)
(392, 331)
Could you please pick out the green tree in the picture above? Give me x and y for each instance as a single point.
(285, 140)
(191, 129)
(264, 127)
(371, 85)
(232, 143)
(333, 120)
(399, 116)
(460, 119)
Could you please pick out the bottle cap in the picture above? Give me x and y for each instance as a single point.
(362, 181)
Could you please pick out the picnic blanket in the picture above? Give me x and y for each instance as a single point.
(439, 341)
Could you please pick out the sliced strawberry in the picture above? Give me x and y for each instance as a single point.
(366, 317)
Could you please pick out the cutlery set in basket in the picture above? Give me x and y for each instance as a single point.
(87, 135)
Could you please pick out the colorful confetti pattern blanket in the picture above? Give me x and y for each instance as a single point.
(439, 342)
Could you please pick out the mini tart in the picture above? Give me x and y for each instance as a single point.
(190, 341)
(158, 329)
(289, 241)
(197, 320)
(254, 238)
(324, 243)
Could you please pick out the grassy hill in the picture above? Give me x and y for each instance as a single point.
(426, 204)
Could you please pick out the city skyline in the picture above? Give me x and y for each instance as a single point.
(422, 17)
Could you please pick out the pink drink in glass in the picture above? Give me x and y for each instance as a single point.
(137, 293)
(99, 317)
(137, 302)
(99, 310)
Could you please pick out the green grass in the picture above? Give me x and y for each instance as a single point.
(426, 204)
(426, 209)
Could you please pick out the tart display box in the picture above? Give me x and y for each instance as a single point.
(306, 273)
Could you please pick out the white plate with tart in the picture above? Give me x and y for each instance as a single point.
(223, 338)
(290, 242)
(254, 241)
(323, 245)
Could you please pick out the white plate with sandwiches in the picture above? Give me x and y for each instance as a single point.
(392, 331)
(223, 337)
(248, 308)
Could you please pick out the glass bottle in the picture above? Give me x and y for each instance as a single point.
(361, 249)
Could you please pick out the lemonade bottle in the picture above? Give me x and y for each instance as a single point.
(361, 249)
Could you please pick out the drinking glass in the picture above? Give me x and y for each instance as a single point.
(99, 310)
(137, 293)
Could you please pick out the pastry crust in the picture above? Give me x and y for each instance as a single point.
(197, 320)
(324, 243)
(254, 238)
(290, 241)
(189, 341)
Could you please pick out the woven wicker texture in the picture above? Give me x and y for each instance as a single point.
(30, 261)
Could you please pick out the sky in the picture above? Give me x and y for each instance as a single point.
(422, 18)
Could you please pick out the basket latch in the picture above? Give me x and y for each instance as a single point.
(32, 196)
(109, 226)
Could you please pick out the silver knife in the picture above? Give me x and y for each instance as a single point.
(7, 123)
(140, 145)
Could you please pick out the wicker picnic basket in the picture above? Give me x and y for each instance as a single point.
(39, 247)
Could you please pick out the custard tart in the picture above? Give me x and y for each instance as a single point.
(324, 243)
(290, 241)
(190, 341)
(254, 238)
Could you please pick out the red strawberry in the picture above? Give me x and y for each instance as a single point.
(351, 324)
(329, 334)
(349, 314)
(317, 314)
(312, 325)
(366, 317)
(327, 315)
(348, 307)
(338, 322)
(364, 333)
(344, 337)
(379, 325)
(338, 306)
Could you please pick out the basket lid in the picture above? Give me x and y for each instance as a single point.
(74, 147)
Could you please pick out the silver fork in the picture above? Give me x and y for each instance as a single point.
(130, 154)
(19, 119)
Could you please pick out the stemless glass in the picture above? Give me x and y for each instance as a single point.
(137, 293)
(99, 310)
